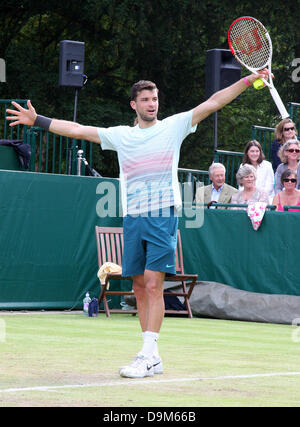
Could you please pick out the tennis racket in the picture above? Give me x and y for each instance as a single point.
(251, 44)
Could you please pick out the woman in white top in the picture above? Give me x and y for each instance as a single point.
(253, 155)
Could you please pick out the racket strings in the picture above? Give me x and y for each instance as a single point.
(250, 43)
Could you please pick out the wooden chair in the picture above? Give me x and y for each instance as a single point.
(110, 249)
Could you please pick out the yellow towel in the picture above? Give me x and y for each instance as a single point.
(108, 267)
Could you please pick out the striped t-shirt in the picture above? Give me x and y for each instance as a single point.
(148, 160)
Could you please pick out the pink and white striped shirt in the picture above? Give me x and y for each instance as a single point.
(148, 160)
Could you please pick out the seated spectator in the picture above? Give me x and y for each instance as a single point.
(218, 191)
(289, 154)
(290, 196)
(246, 177)
(285, 130)
(253, 155)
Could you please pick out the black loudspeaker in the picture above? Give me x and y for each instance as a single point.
(221, 70)
(71, 63)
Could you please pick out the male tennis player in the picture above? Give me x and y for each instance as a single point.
(148, 155)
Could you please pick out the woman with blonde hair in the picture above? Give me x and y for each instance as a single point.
(284, 130)
(289, 154)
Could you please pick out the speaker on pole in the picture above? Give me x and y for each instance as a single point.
(221, 70)
(71, 63)
(71, 68)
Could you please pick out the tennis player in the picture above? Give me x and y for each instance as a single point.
(148, 155)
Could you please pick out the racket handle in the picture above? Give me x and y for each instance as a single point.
(281, 108)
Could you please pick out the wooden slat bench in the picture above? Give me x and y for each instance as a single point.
(110, 249)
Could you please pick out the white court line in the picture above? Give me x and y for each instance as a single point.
(143, 381)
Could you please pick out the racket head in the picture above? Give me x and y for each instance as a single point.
(250, 43)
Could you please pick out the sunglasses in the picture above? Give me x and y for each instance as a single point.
(293, 180)
(287, 129)
(293, 150)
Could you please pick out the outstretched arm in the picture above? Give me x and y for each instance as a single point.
(60, 127)
(223, 97)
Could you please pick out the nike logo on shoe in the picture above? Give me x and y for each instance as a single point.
(157, 366)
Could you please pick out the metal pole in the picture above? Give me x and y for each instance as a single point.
(75, 105)
(215, 131)
(70, 154)
(79, 160)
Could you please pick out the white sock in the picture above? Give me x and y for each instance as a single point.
(155, 352)
(149, 344)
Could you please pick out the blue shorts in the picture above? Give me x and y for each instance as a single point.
(149, 243)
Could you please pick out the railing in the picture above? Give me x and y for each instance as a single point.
(294, 112)
(287, 207)
(231, 160)
(50, 152)
(6, 131)
(239, 206)
(265, 136)
(215, 205)
(193, 175)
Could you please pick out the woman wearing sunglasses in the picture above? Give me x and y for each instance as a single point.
(284, 131)
(290, 196)
(289, 154)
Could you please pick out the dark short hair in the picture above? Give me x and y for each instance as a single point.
(285, 174)
(139, 86)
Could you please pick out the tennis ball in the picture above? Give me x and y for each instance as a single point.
(258, 84)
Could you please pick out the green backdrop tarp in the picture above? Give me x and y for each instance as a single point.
(9, 159)
(48, 256)
(226, 249)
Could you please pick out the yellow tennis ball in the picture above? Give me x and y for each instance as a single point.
(258, 84)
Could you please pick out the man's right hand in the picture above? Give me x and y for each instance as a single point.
(22, 116)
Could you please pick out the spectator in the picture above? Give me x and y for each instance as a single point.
(290, 196)
(285, 130)
(218, 190)
(289, 154)
(253, 155)
(246, 177)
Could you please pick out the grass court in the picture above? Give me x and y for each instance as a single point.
(66, 359)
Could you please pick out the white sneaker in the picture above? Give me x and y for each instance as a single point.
(140, 367)
(157, 365)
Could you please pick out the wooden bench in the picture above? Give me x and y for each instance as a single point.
(110, 249)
